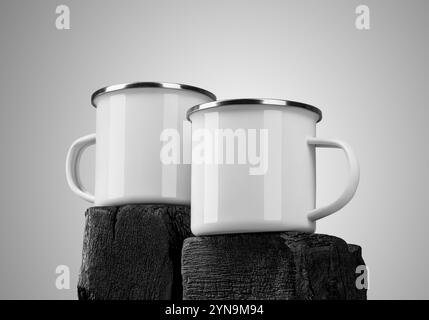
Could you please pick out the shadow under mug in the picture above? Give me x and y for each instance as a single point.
(130, 121)
(228, 197)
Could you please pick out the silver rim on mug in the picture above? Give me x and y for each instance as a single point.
(272, 102)
(166, 85)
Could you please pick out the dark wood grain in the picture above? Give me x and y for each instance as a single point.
(133, 252)
(285, 265)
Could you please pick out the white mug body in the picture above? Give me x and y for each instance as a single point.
(269, 183)
(131, 141)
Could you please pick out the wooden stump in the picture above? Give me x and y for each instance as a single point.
(133, 252)
(286, 265)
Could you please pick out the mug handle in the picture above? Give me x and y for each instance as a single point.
(72, 166)
(352, 183)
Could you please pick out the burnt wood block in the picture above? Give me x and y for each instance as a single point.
(133, 252)
(284, 266)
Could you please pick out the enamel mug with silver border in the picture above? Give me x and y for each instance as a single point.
(130, 121)
(254, 167)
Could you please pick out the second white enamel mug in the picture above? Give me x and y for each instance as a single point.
(254, 167)
(131, 119)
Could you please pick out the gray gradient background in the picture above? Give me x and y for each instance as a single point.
(371, 85)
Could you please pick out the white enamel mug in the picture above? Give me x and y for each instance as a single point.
(254, 167)
(130, 121)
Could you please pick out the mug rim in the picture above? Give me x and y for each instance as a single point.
(165, 85)
(257, 101)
